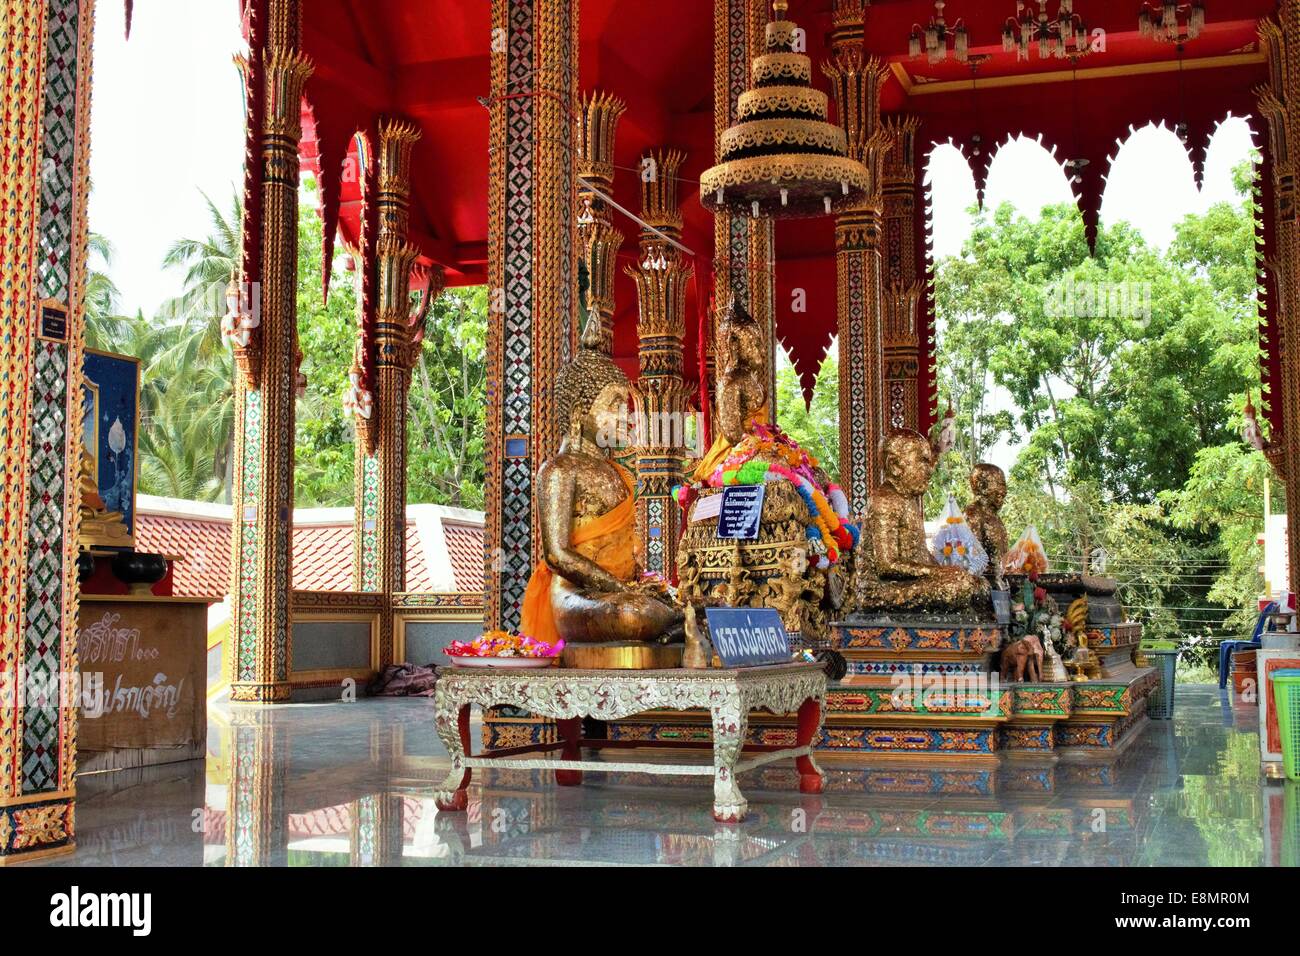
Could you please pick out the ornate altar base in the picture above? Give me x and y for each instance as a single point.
(926, 694)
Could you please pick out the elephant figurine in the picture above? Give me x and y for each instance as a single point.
(1023, 660)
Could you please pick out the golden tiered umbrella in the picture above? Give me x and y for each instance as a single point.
(783, 159)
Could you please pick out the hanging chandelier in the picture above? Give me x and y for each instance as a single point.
(1053, 37)
(1161, 21)
(935, 36)
(783, 159)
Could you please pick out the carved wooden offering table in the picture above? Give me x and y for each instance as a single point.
(569, 695)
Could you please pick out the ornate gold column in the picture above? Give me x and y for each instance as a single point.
(743, 247)
(661, 275)
(1279, 101)
(44, 149)
(598, 238)
(532, 270)
(855, 86)
(902, 288)
(395, 337)
(261, 569)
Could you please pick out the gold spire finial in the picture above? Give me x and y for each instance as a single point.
(779, 7)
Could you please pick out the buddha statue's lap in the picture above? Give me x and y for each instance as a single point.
(895, 570)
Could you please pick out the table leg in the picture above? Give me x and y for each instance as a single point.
(571, 734)
(810, 727)
(453, 728)
(730, 723)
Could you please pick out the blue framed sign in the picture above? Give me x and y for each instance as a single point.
(748, 636)
(742, 511)
(110, 431)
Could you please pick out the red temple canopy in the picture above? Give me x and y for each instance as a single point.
(428, 61)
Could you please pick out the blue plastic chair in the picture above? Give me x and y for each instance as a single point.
(1228, 648)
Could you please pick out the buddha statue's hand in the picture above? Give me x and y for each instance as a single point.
(650, 587)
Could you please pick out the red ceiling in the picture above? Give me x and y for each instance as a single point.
(428, 60)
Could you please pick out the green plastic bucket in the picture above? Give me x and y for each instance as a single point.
(1286, 699)
(1160, 705)
(1291, 825)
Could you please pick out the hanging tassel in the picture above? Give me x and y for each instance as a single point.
(130, 6)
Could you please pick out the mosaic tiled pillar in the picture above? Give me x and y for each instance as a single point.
(43, 239)
(377, 835)
(903, 287)
(744, 248)
(257, 824)
(532, 270)
(262, 550)
(1279, 101)
(661, 275)
(855, 86)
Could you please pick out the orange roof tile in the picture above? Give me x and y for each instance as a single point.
(203, 544)
(322, 555)
(465, 548)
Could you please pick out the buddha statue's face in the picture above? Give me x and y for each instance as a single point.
(909, 463)
(606, 421)
(989, 485)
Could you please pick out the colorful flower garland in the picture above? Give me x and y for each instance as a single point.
(829, 533)
(504, 644)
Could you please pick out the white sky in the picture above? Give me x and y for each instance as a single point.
(167, 122)
(167, 119)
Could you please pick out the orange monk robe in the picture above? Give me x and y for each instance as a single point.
(608, 540)
(722, 448)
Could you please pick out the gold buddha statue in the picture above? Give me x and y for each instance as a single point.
(589, 589)
(742, 380)
(99, 525)
(895, 569)
(988, 483)
(779, 568)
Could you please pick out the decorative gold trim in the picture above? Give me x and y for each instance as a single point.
(31, 856)
(787, 169)
(782, 99)
(914, 88)
(783, 132)
(781, 66)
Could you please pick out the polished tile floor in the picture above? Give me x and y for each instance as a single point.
(352, 785)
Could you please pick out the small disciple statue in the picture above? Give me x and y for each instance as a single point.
(742, 386)
(896, 571)
(989, 485)
(589, 589)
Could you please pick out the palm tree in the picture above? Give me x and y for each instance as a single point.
(104, 327)
(196, 362)
(209, 266)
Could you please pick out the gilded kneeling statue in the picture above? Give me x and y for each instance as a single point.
(589, 589)
(895, 570)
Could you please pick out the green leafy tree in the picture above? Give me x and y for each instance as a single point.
(1126, 370)
(816, 426)
(445, 443)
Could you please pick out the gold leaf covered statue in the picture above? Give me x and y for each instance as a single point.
(896, 571)
(589, 589)
(989, 485)
(742, 380)
(785, 567)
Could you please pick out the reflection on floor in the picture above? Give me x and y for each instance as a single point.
(352, 784)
